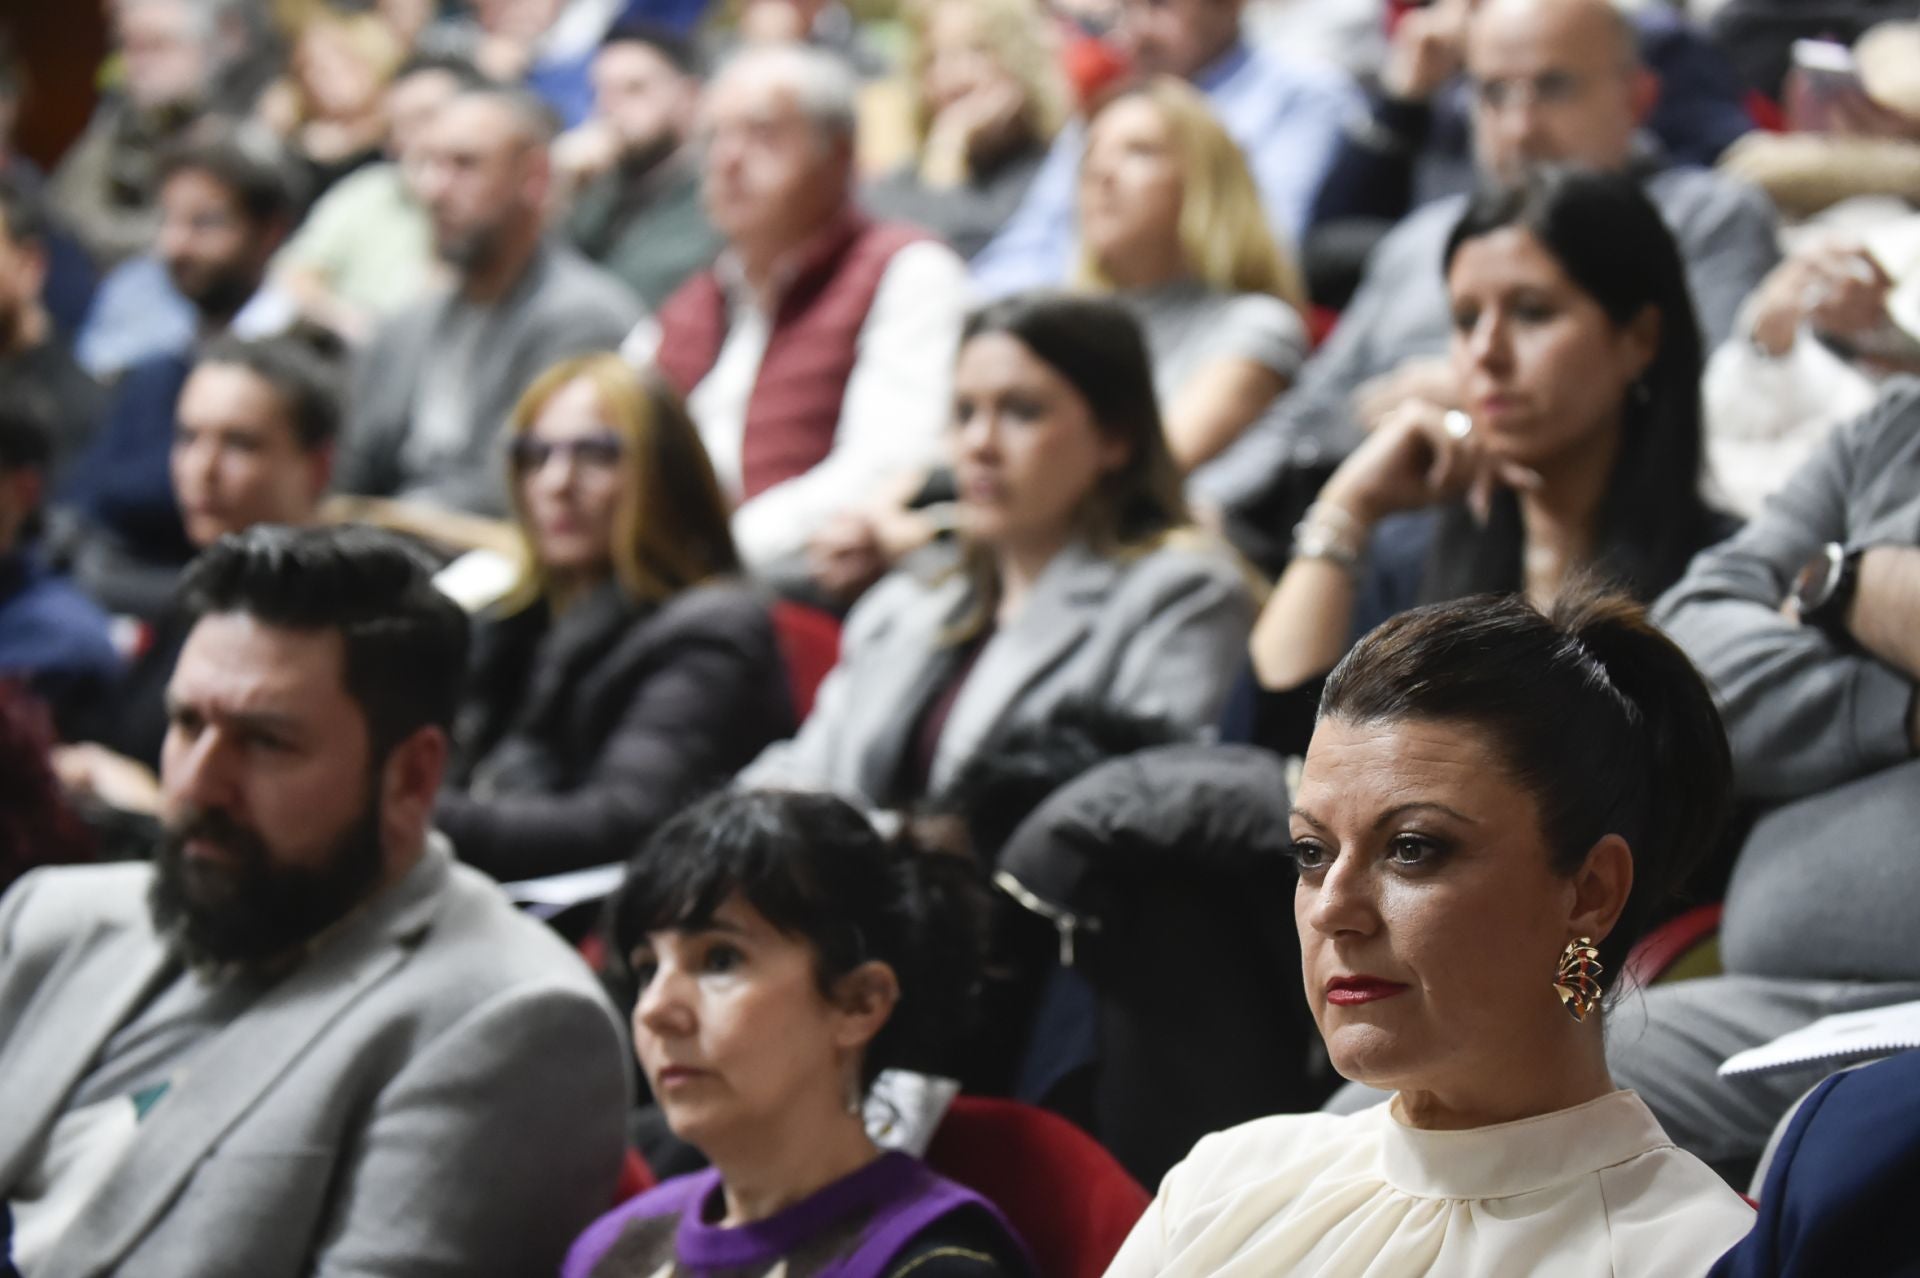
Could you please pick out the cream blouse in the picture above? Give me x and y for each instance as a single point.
(1593, 1190)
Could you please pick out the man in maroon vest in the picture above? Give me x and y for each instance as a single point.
(816, 354)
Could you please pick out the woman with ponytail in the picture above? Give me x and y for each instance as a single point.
(784, 955)
(1493, 806)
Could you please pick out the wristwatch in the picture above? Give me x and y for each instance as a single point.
(1823, 590)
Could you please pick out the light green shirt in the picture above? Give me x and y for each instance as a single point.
(368, 239)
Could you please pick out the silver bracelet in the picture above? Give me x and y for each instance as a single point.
(1329, 533)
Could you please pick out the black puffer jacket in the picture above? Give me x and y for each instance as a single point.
(578, 738)
(1168, 870)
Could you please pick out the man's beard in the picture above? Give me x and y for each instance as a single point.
(248, 910)
(217, 294)
(471, 250)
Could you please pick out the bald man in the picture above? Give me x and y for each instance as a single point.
(438, 379)
(1553, 81)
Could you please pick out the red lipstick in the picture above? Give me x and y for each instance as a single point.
(1351, 991)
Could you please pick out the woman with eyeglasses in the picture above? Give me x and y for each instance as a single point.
(630, 669)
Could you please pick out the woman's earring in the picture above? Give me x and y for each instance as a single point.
(1578, 980)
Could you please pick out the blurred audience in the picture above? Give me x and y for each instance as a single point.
(631, 670)
(252, 444)
(438, 380)
(227, 207)
(301, 966)
(1556, 81)
(52, 637)
(1867, 142)
(1075, 570)
(106, 186)
(1494, 807)
(330, 107)
(366, 250)
(784, 955)
(1170, 220)
(1816, 340)
(228, 198)
(36, 366)
(1414, 142)
(815, 355)
(37, 827)
(1286, 117)
(986, 96)
(71, 276)
(1801, 623)
(637, 211)
(1579, 362)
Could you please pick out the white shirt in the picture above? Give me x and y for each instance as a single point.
(892, 416)
(1595, 1190)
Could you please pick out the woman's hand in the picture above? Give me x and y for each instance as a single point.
(1837, 289)
(975, 125)
(93, 771)
(1418, 456)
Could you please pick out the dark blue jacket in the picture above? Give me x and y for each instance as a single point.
(1839, 1196)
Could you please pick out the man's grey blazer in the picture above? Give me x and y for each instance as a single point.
(439, 1089)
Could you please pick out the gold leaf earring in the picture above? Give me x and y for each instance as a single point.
(1578, 980)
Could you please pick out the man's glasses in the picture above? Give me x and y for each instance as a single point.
(598, 452)
(1551, 88)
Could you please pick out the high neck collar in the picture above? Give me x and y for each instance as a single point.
(1520, 1157)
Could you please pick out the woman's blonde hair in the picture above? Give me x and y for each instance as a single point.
(1223, 228)
(1017, 35)
(672, 530)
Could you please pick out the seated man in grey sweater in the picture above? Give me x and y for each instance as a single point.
(1554, 82)
(438, 380)
(1806, 625)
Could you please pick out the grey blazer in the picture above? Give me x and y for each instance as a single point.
(1163, 633)
(563, 306)
(439, 1090)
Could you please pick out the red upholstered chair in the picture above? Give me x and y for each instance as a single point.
(809, 642)
(1071, 1202)
(636, 1177)
(1685, 946)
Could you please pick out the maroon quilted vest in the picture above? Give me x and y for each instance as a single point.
(795, 404)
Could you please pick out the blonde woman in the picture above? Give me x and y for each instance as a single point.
(1170, 220)
(630, 670)
(986, 98)
(1074, 574)
(331, 105)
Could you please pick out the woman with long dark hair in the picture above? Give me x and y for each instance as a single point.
(1075, 571)
(1578, 448)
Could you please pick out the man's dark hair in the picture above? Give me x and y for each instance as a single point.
(307, 386)
(406, 643)
(679, 51)
(23, 214)
(250, 164)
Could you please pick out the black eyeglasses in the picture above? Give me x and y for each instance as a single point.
(600, 452)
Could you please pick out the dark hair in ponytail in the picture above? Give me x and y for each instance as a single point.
(1593, 711)
(817, 870)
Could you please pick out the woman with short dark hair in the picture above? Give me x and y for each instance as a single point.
(1494, 804)
(784, 955)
